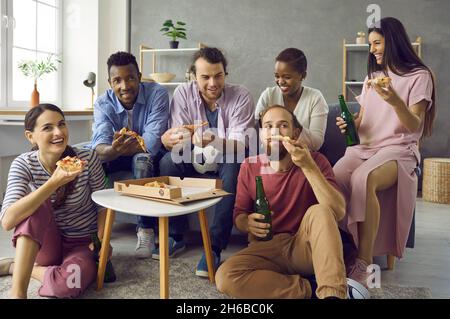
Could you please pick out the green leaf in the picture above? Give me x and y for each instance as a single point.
(37, 68)
(180, 29)
(164, 29)
(182, 37)
(181, 23)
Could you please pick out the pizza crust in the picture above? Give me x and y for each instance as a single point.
(382, 81)
(71, 164)
(156, 184)
(281, 138)
(194, 127)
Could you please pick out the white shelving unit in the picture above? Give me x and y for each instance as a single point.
(175, 51)
(348, 47)
(143, 50)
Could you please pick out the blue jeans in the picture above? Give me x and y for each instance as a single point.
(137, 166)
(222, 224)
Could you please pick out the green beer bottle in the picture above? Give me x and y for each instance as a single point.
(262, 207)
(107, 182)
(351, 134)
(110, 275)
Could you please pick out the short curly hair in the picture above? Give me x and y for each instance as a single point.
(122, 58)
(295, 58)
(211, 55)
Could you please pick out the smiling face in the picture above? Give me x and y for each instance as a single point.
(50, 133)
(124, 81)
(377, 45)
(277, 121)
(210, 79)
(287, 79)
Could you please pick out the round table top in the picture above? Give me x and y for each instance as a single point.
(144, 207)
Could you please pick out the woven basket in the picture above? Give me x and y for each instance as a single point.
(436, 180)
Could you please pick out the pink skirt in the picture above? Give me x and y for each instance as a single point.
(396, 203)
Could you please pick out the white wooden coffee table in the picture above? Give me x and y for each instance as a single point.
(113, 201)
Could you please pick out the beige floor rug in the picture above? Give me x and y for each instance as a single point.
(138, 279)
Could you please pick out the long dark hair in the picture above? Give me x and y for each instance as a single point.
(30, 123)
(400, 57)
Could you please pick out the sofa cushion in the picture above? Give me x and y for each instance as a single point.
(334, 143)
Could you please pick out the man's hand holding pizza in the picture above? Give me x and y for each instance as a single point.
(300, 154)
(125, 145)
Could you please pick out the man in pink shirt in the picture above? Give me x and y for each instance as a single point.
(306, 204)
(226, 112)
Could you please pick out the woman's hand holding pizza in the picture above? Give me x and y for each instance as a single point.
(388, 94)
(62, 177)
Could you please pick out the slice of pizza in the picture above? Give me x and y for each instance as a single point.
(281, 138)
(382, 81)
(126, 132)
(71, 164)
(141, 142)
(156, 184)
(194, 127)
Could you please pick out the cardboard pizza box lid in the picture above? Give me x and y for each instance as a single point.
(179, 192)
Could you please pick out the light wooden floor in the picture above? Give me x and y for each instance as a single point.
(427, 265)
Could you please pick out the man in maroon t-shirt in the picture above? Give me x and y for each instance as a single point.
(306, 203)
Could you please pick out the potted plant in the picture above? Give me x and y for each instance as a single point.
(174, 32)
(36, 69)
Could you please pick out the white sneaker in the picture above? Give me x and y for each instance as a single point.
(145, 244)
(356, 291)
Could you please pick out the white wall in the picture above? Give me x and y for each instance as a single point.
(113, 35)
(92, 30)
(80, 50)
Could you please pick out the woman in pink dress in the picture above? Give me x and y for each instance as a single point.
(378, 176)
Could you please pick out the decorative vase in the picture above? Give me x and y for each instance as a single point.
(361, 38)
(34, 97)
(173, 44)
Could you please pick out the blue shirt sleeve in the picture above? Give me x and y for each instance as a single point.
(102, 128)
(157, 121)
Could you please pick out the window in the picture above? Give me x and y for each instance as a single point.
(31, 32)
(2, 51)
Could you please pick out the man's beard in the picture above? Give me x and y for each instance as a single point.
(276, 153)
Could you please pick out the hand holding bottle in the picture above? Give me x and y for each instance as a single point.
(342, 125)
(340, 122)
(256, 227)
(346, 124)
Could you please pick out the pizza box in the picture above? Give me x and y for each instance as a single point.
(179, 191)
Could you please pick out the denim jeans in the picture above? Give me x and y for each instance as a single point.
(222, 224)
(137, 166)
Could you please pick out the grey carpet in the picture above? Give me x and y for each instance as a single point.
(139, 279)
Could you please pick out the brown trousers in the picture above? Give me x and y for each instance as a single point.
(274, 269)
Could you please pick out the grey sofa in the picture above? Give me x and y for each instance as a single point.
(333, 148)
